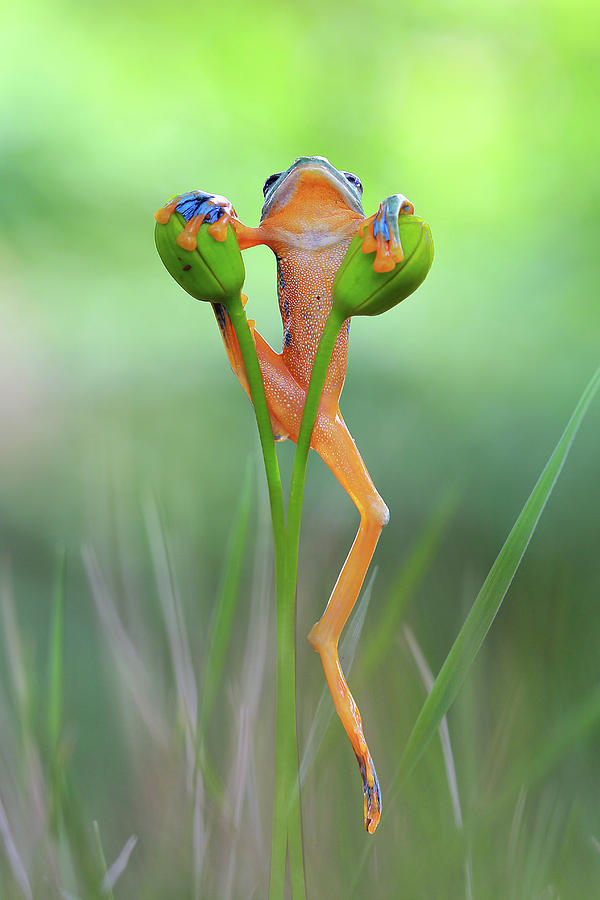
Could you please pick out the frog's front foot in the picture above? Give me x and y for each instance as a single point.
(197, 208)
(380, 232)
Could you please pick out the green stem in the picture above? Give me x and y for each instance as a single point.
(286, 761)
(295, 844)
(286, 743)
(265, 430)
(291, 798)
(311, 407)
(287, 827)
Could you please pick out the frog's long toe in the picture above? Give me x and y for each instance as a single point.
(197, 208)
(349, 714)
(381, 235)
(371, 792)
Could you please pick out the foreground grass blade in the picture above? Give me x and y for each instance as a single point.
(428, 681)
(102, 859)
(87, 868)
(570, 730)
(15, 863)
(484, 610)
(56, 655)
(226, 603)
(55, 695)
(17, 669)
(382, 638)
(444, 732)
(115, 871)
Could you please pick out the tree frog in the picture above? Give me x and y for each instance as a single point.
(310, 214)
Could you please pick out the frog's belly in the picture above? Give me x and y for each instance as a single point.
(299, 357)
(305, 286)
(285, 395)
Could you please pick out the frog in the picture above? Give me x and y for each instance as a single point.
(310, 214)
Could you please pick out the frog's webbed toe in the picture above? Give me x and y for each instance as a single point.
(371, 791)
(381, 235)
(197, 208)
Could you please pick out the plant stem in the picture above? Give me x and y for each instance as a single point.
(265, 430)
(311, 407)
(286, 761)
(286, 742)
(287, 827)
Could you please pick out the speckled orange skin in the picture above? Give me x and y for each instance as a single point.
(309, 235)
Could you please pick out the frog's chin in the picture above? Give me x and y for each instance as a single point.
(307, 171)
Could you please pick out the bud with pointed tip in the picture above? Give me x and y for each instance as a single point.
(212, 271)
(360, 291)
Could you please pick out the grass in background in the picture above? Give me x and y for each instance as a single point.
(207, 837)
(111, 382)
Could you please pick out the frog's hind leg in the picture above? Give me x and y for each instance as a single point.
(333, 442)
(234, 355)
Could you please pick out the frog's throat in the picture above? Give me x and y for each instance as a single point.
(286, 184)
(309, 240)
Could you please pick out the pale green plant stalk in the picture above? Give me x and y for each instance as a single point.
(291, 798)
(287, 831)
(357, 280)
(487, 603)
(286, 827)
(311, 408)
(225, 609)
(463, 652)
(102, 859)
(265, 430)
(55, 697)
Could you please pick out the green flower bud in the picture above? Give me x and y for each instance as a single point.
(360, 291)
(213, 270)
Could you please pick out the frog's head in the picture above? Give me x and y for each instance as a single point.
(312, 197)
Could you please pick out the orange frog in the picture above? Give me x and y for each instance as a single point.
(310, 215)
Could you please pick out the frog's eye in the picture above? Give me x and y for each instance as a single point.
(270, 182)
(354, 179)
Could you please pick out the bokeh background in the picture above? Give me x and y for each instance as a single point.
(118, 411)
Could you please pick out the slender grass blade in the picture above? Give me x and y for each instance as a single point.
(106, 888)
(494, 589)
(120, 864)
(415, 568)
(55, 690)
(485, 608)
(225, 608)
(571, 729)
(12, 854)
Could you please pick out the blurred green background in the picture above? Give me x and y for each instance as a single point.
(116, 395)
